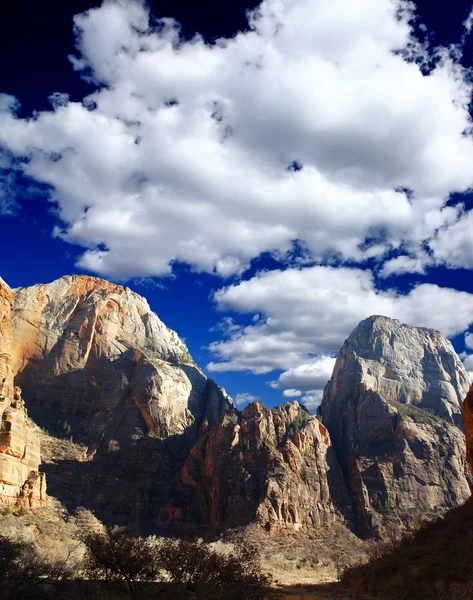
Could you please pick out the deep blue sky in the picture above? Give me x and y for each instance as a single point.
(35, 39)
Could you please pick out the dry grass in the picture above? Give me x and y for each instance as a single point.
(304, 559)
(53, 537)
(54, 449)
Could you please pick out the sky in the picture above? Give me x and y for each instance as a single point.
(266, 175)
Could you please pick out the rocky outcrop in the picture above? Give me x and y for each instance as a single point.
(165, 444)
(393, 407)
(92, 356)
(468, 424)
(273, 467)
(90, 348)
(20, 481)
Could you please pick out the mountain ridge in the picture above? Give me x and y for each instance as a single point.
(167, 447)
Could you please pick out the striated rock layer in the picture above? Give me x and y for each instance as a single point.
(275, 467)
(393, 408)
(20, 481)
(165, 444)
(468, 424)
(93, 349)
(91, 355)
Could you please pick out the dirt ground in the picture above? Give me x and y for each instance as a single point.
(309, 592)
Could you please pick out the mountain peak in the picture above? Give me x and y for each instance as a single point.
(393, 408)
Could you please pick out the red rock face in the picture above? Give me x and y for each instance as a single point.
(468, 424)
(167, 446)
(20, 481)
(92, 353)
(6, 336)
(274, 467)
(92, 349)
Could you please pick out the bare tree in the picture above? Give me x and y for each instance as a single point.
(196, 567)
(116, 554)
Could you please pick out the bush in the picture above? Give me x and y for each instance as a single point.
(10, 555)
(235, 575)
(26, 573)
(116, 554)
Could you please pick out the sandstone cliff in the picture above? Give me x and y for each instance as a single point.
(392, 408)
(433, 562)
(94, 349)
(92, 355)
(164, 444)
(20, 481)
(468, 424)
(275, 467)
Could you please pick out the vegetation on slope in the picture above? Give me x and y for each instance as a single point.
(434, 562)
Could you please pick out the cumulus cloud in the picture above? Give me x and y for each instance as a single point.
(310, 311)
(326, 123)
(306, 377)
(405, 264)
(312, 401)
(469, 340)
(245, 398)
(291, 393)
(453, 246)
(468, 364)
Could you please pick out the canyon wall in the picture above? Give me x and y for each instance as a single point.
(21, 484)
(393, 408)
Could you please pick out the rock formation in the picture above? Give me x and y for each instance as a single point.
(468, 424)
(275, 467)
(393, 407)
(92, 355)
(20, 481)
(93, 349)
(164, 443)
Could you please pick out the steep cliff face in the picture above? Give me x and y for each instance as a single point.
(93, 354)
(275, 467)
(468, 424)
(164, 444)
(392, 408)
(20, 481)
(93, 349)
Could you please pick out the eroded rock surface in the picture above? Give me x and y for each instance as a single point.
(468, 424)
(93, 349)
(275, 467)
(20, 480)
(165, 444)
(91, 356)
(393, 409)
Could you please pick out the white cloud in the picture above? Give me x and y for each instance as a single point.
(292, 393)
(306, 377)
(469, 341)
(181, 153)
(245, 398)
(311, 311)
(405, 264)
(468, 364)
(312, 401)
(453, 246)
(468, 24)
